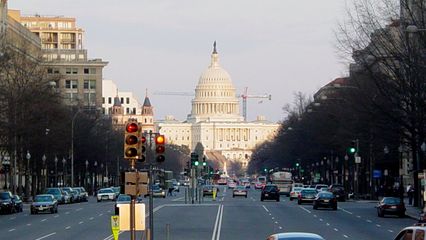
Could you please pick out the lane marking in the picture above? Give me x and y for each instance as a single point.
(315, 216)
(391, 231)
(378, 225)
(215, 223)
(358, 216)
(81, 222)
(276, 222)
(91, 218)
(12, 218)
(270, 214)
(56, 216)
(67, 213)
(328, 224)
(273, 218)
(46, 236)
(321, 219)
(68, 227)
(78, 209)
(336, 229)
(346, 211)
(265, 208)
(43, 220)
(11, 230)
(177, 199)
(280, 227)
(109, 210)
(305, 209)
(369, 221)
(345, 236)
(220, 224)
(100, 215)
(28, 224)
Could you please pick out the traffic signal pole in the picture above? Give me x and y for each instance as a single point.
(151, 204)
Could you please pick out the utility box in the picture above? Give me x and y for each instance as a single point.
(136, 183)
(125, 217)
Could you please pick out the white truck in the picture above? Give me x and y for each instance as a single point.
(283, 180)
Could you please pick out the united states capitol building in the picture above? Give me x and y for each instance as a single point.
(215, 120)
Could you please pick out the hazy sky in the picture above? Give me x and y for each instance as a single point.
(276, 46)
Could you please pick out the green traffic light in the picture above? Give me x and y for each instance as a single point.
(297, 164)
(204, 164)
(352, 150)
(196, 163)
(265, 170)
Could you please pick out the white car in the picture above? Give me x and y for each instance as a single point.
(412, 233)
(106, 194)
(294, 194)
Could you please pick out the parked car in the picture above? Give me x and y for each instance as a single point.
(294, 194)
(44, 203)
(7, 203)
(240, 191)
(84, 196)
(325, 199)
(259, 185)
(121, 199)
(338, 191)
(74, 195)
(105, 194)
(271, 192)
(57, 193)
(392, 206)
(306, 195)
(295, 236)
(319, 186)
(412, 233)
(18, 203)
(116, 190)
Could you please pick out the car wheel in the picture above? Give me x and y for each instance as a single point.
(52, 210)
(315, 207)
(99, 200)
(291, 199)
(299, 202)
(246, 196)
(233, 196)
(401, 215)
(261, 199)
(379, 213)
(278, 199)
(334, 208)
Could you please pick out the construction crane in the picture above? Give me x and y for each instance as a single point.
(245, 95)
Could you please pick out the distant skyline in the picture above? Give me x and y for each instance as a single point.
(276, 47)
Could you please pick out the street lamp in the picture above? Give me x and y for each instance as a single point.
(27, 180)
(63, 171)
(96, 175)
(56, 171)
(44, 171)
(72, 146)
(86, 173)
(102, 174)
(6, 165)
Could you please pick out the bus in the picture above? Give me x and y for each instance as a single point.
(283, 181)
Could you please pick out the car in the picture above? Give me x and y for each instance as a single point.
(208, 190)
(84, 196)
(319, 186)
(294, 194)
(18, 203)
(105, 194)
(58, 194)
(231, 185)
(392, 206)
(306, 195)
(325, 199)
(157, 191)
(245, 183)
(240, 191)
(74, 195)
(417, 232)
(44, 203)
(295, 236)
(270, 192)
(116, 190)
(124, 199)
(339, 191)
(7, 204)
(259, 185)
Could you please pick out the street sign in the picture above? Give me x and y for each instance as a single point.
(125, 217)
(357, 159)
(115, 226)
(377, 173)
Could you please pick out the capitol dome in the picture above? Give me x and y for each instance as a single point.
(215, 95)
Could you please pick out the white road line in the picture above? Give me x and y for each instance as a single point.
(321, 219)
(12, 218)
(346, 211)
(56, 216)
(68, 227)
(369, 221)
(378, 225)
(100, 215)
(220, 224)
(280, 227)
(78, 209)
(43, 220)
(265, 208)
(315, 215)
(305, 209)
(26, 215)
(81, 222)
(390, 230)
(91, 218)
(67, 213)
(358, 216)
(109, 210)
(335, 229)
(215, 223)
(28, 224)
(276, 222)
(270, 214)
(11, 230)
(328, 224)
(177, 199)
(46, 236)
(273, 218)
(345, 236)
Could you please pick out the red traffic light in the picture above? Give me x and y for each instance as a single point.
(160, 149)
(132, 127)
(143, 139)
(131, 140)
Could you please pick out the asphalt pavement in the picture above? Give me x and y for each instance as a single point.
(226, 218)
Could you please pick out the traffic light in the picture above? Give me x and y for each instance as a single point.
(204, 162)
(132, 140)
(352, 148)
(194, 159)
(265, 169)
(187, 169)
(297, 165)
(142, 147)
(160, 140)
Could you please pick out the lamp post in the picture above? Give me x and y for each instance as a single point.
(72, 146)
(44, 172)
(86, 173)
(63, 171)
(345, 173)
(102, 175)
(96, 176)
(6, 165)
(27, 176)
(56, 171)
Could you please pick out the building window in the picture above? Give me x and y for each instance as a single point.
(71, 84)
(109, 100)
(75, 71)
(68, 70)
(127, 100)
(134, 110)
(127, 110)
(103, 100)
(49, 70)
(90, 98)
(122, 100)
(90, 84)
(86, 71)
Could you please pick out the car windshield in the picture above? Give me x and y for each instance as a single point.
(240, 188)
(270, 188)
(325, 195)
(106, 190)
(297, 189)
(43, 199)
(123, 198)
(4, 195)
(53, 191)
(308, 192)
(392, 200)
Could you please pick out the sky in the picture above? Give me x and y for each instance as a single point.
(275, 47)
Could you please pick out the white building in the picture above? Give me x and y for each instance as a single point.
(128, 100)
(215, 120)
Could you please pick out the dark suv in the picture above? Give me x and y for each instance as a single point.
(338, 191)
(7, 204)
(270, 192)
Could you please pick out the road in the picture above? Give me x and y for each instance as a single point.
(226, 218)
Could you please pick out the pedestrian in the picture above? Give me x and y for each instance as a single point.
(170, 193)
(410, 193)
